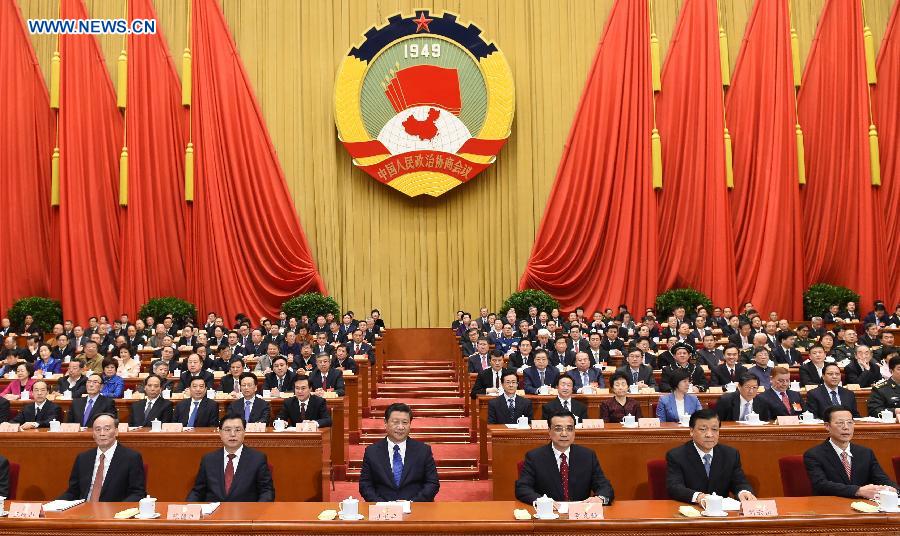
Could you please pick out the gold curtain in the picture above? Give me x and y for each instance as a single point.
(419, 260)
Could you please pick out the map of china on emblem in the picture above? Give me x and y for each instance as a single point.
(424, 103)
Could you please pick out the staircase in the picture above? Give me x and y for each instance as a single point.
(432, 390)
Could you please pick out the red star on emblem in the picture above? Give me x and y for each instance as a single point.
(422, 22)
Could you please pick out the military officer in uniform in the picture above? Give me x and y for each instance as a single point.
(886, 393)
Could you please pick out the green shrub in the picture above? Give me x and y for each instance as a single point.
(182, 311)
(820, 296)
(523, 299)
(668, 301)
(46, 312)
(310, 304)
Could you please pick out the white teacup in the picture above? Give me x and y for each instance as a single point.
(587, 390)
(349, 507)
(807, 416)
(633, 388)
(795, 386)
(266, 393)
(887, 499)
(167, 393)
(522, 422)
(211, 394)
(2, 503)
(25, 395)
(712, 504)
(279, 424)
(753, 417)
(67, 359)
(67, 395)
(54, 426)
(544, 389)
(730, 387)
(543, 506)
(147, 506)
(127, 393)
(887, 416)
(155, 426)
(628, 420)
(685, 419)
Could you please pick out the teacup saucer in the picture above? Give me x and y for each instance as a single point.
(357, 517)
(713, 514)
(154, 515)
(891, 511)
(551, 516)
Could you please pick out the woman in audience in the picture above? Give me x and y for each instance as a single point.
(827, 342)
(127, 365)
(23, 382)
(679, 402)
(46, 363)
(113, 385)
(614, 409)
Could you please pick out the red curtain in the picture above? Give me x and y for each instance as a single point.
(26, 144)
(886, 107)
(90, 139)
(765, 201)
(154, 241)
(597, 245)
(254, 252)
(696, 238)
(841, 214)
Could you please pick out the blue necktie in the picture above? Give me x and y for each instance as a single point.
(397, 465)
(707, 462)
(834, 399)
(87, 412)
(193, 417)
(248, 404)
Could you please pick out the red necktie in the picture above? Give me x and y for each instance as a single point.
(564, 475)
(846, 461)
(787, 403)
(98, 480)
(229, 472)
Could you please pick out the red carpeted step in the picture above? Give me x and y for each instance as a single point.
(446, 453)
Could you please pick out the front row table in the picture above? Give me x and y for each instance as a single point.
(797, 515)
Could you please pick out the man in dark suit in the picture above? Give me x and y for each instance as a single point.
(702, 466)
(584, 375)
(785, 354)
(281, 378)
(507, 408)
(325, 379)
(489, 381)
(481, 359)
(236, 473)
(812, 372)
(152, 407)
(564, 401)
(231, 382)
(197, 411)
(74, 380)
(250, 407)
(540, 374)
(779, 399)
(635, 371)
(837, 467)
(830, 393)
(730, 370)
(304, 406)
(563, 470)
(109, 473)
(39, 413)
(561, 354)
(84, 409)
(343, 361)
(738, 405)
(195, 370)
(709, 355)
(360, 347)
(398, 467)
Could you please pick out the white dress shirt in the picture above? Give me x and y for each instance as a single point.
(235, 461)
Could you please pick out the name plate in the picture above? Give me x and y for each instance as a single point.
(852, 387)
(592, 423)
(256, 427)
(123, 427)
(329, 394)
(307, 426)
(647, 391)
(386, 512)
(585, 511)
(788, 420)
(183, 511)
(70, 427)
(715, 389)
(648, 422)
(25, 510)
(759, 508)
(9, 427)
(539, 424)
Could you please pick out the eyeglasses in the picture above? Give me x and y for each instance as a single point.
(561, 429)
(232, 430)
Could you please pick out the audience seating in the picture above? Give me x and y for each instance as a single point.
(656, 477)
(13, 480)
(896, 461)
(794, 479)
